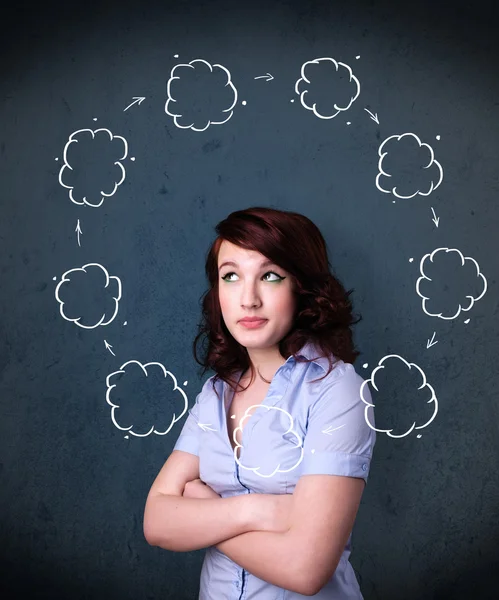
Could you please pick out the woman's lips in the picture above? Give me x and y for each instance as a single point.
(253, 324)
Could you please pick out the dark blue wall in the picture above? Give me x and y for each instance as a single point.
(74, 469)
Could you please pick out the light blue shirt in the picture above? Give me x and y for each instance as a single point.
(300, 428)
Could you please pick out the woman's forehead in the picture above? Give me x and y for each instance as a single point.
(231, 252)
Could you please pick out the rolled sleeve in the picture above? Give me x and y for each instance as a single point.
(339, 440)
(188, 440)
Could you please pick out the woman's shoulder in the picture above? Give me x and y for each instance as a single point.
(341, 372)
(212, 389)
(333, 367)
(328, 367)
(208, 388)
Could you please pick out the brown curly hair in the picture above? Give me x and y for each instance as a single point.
(324, 310)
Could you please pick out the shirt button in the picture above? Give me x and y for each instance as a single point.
(364, 467)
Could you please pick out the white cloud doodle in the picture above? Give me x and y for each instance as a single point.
(195, 82)
(421, 406)
(75, 165)
(128, 408)
(92, 281)
(309, 83)
(464, 269)
(286, 431)
(421, 164)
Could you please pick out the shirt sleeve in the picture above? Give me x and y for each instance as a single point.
(188, 440)
(338, 440)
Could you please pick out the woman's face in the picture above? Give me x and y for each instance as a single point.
(252, 289)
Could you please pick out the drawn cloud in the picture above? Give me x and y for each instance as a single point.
(289, 431)
(421, 405)
(195, 81)
(79, 151)
(464, 269)
(127, 409)
(312, 77)
(90, 281)
(422, 157)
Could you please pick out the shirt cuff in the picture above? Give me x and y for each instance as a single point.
(336, 463)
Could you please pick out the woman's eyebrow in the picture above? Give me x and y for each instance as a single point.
(265, 263)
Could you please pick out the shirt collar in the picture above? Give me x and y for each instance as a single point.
(311, 351)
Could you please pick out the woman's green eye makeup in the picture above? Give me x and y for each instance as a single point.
(268, 273)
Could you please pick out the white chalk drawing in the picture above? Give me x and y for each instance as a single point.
(421, 163)
(136, 100)
(108, 288)
(289, 430)
(70, 169)
(113, 398)
(267, 77)
(306, 87)
(464, 269)
(374, 117)
(108, 346)
(206, 427)
(435, 219)
(78, 231)
(329, 430)
(191, 83)
(421, 406)
(430, 343)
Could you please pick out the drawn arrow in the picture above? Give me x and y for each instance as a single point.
(205, 427)
(267, 77)
(78, 231)
(373, 117)
(108, 347)
(435, 218)
(430, 343)
(329, 431)
(138, 99)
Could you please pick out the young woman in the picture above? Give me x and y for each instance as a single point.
(270, 466)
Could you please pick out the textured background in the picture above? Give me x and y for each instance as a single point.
(74, 475)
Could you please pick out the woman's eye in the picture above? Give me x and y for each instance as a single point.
(279, 278)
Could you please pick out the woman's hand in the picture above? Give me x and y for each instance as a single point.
(198, 489)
